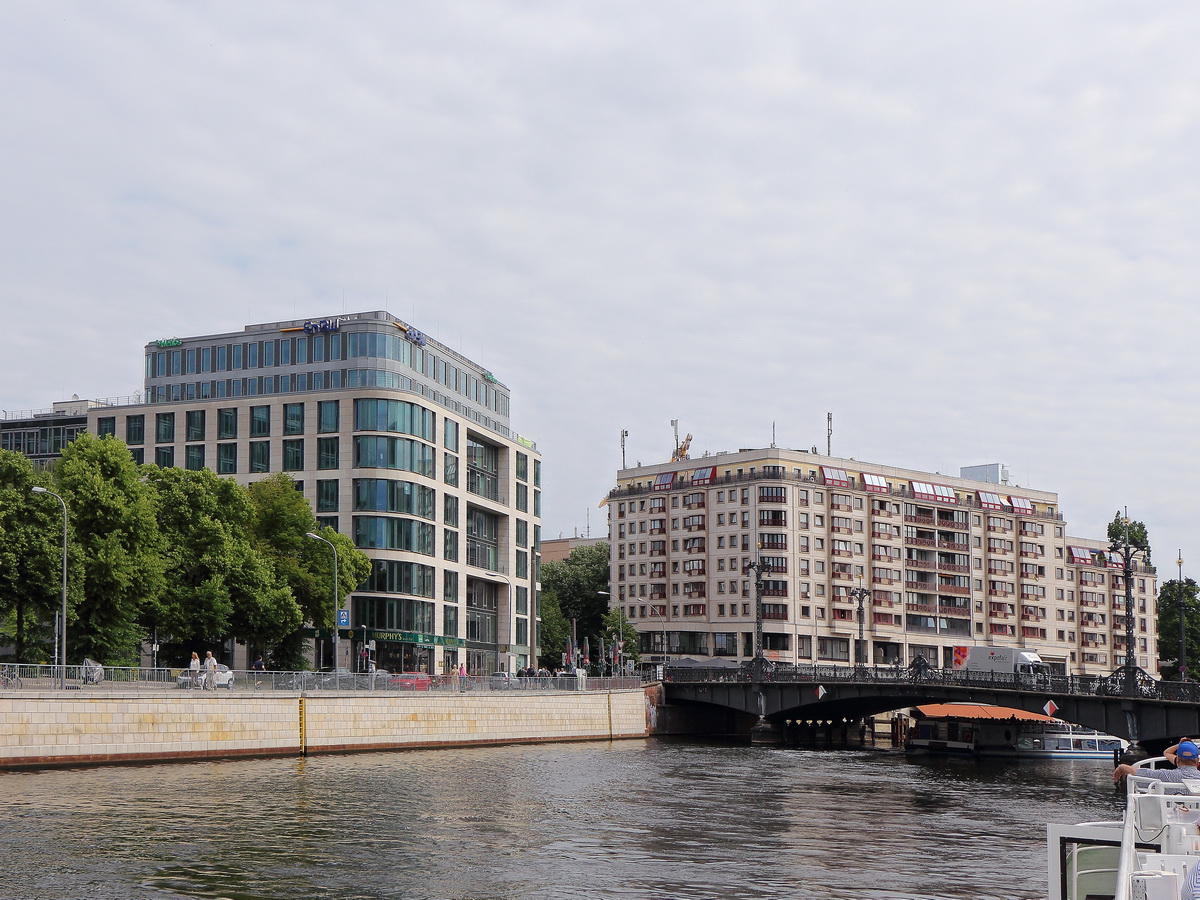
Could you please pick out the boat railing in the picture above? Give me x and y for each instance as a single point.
(1163, 815)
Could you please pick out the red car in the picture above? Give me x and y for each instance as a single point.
(411, 681)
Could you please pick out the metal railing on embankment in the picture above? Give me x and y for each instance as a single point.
(91, 677)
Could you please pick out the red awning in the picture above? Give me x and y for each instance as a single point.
(939, 493)
(835, 477)
(665, 481)
(1020, 504)
(704, 476)
(989, 500)
(978, 711)
(876, 483)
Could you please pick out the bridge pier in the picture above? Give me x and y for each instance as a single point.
(764, 731)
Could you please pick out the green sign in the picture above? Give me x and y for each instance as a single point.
(169, 342)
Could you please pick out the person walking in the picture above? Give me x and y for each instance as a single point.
(210, 672)
(259, 667)
(194, 669)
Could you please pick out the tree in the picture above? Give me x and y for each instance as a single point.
(554, 633)
(282, 518)
(219, 584)
(115, 532)
(30, 561)
(1175, 599)
(1139, 538)
(580, 585)
(619, 626)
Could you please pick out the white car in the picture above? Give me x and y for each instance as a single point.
(222, 677)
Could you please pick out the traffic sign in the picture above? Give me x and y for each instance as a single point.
(343, 618)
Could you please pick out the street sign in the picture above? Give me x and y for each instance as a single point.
(343, 618)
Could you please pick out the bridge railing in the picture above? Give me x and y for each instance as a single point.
(1112, 685)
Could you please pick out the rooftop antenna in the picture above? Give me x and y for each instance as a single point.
(675, 426)
(587, 523)
(772, 434)
(624, 434)
(829, 434)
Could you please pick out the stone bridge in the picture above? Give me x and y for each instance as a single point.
(1128, 704)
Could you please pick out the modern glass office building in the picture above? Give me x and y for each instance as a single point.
(397, 441)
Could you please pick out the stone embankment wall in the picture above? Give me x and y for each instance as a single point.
(45, 729)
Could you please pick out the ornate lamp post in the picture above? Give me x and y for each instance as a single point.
(1120, 545)
(860, 594)
(62, 628)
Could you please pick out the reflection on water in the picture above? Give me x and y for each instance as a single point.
(641, 819)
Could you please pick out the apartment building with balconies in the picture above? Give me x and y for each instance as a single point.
(914, 562)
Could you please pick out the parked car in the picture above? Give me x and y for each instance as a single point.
(222, 677)
(502, 681)
(409, 681)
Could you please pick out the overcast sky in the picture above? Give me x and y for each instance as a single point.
(969, 230)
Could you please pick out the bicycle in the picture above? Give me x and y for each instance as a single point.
(10, 680)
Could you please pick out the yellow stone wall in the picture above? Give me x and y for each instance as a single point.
(44, 728)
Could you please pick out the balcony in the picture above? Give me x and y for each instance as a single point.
(927, 565)
(954, 589)
(919, 542)
(952, 545)
(840, 529)
(882, 579)
(952, 567)
(842, 553)
(999, 592)
(919, 520)
(843, 576)
(927, 608)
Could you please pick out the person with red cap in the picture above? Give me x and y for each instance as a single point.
(1185, 756)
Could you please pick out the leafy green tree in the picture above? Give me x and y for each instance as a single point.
(1139, 538)
(115, 531)
(554, 632)
(1174, 599)
(30, 561)
(282, 518)
(580, 585)
(620, 628)
(218, 584)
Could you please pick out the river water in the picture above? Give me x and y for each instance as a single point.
(634, 819)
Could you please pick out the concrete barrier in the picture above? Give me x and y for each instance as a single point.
(48, 729)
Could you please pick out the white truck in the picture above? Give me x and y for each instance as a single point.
(999, 661)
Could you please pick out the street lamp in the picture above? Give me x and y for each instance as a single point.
(511, 611)
(337, 600)
(1122, 546)
(662, 616)
(860, 594)
(1180, 607)
(62, 632)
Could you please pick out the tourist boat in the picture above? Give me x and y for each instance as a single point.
(966, 729)
(1151, 855)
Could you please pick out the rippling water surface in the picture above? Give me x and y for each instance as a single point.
(626, 820)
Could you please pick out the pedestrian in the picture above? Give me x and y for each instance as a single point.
(194, 669)
(259, 667)
(210, 672)
(1185, 756)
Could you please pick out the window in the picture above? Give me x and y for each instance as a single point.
(164, 457)
(260, 455)
(450, 474)
(106, 425)
(195, 457)
(327, 495)
(522, 466)
(450, 435)
(293, 455)
(450, 545)
(522, 498)
(260, 421)
(164, 428)
(227, 424)
(328, 416)
(195, 425)
(293, 418)
(226, 459)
